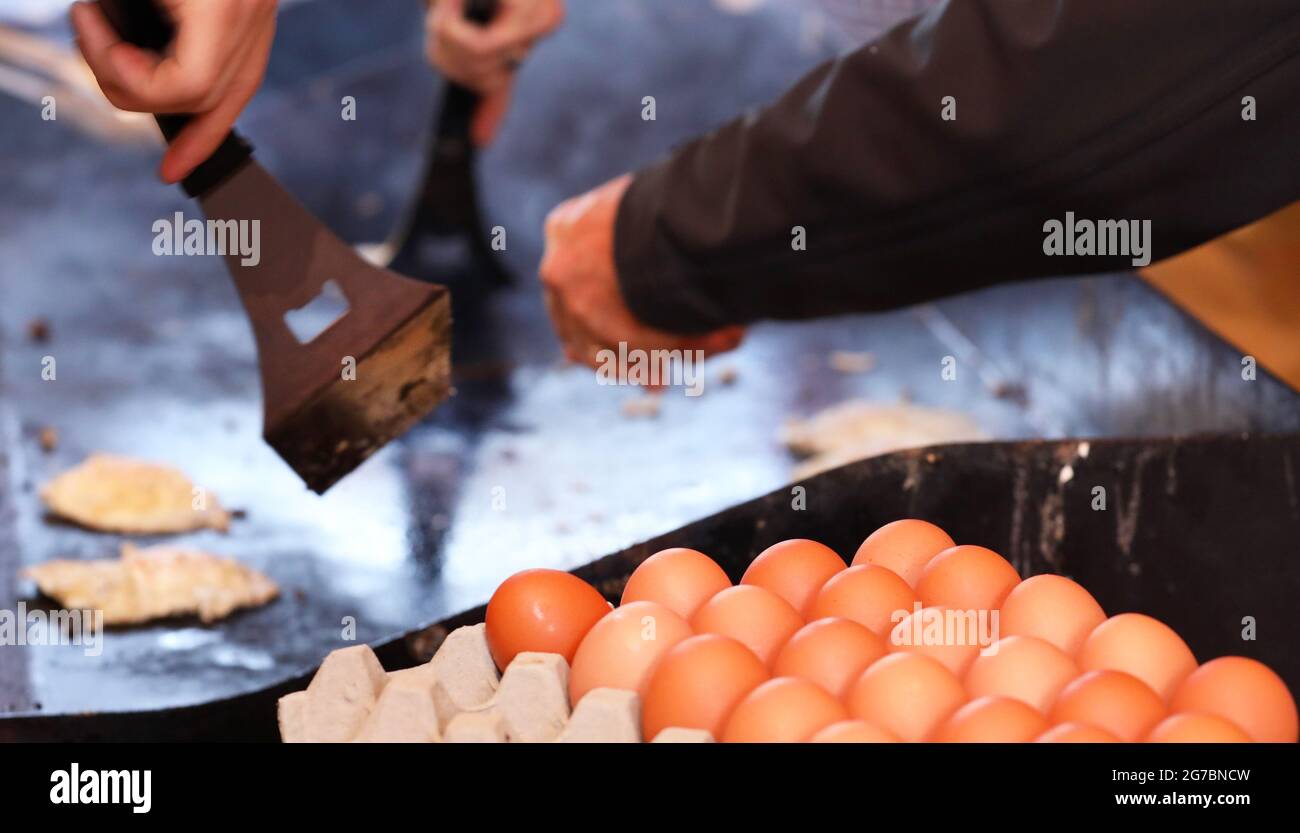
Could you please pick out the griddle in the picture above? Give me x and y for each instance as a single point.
(156, 360)
(1198, 532)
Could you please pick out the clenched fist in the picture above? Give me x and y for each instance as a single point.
(484, 57)
(580, 280)
(214, 65)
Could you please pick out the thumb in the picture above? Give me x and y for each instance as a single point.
(491, 110)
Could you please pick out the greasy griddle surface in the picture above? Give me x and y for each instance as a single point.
(531, 463)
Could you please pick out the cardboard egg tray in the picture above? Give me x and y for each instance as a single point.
(458, 697)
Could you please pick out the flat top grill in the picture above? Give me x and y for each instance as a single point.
(154, 359)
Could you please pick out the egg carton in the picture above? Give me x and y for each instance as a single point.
(458, 697)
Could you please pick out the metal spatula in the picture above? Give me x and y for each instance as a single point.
(384, 364)
(441, 234)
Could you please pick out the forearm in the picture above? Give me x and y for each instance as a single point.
(1110, 109)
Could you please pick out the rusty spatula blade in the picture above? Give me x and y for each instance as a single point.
(333, 400)
(372, 374)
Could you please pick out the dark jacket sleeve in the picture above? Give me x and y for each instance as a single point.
(1110, 109)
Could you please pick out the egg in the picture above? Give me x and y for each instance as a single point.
(907, 694)
(992, 720)
(966, 578)
(1052, 608)
(829, 652)
(1024, 668)
(782, 710)
(1076, 733)
(794, 570)
(951, 637)
(904, 547)
(697, 683)
(1112, 700)
(853, 731)
(620, 650)
(541, 610)
(1243, 691)
(1144, 647)
(866, 594)
(679, 579)
(1197, 728)
(761, 620)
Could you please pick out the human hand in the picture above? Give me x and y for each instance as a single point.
(580, 280)
(214, 65)
(484, 56)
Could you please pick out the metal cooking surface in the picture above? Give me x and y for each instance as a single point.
(532, 463)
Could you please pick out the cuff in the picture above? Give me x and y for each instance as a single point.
(655, 275)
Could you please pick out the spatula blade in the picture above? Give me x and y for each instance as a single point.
(368, 377)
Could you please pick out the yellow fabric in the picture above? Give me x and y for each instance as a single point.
(1245, 286)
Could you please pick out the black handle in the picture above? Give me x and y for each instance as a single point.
(141, 23)
(459, 103)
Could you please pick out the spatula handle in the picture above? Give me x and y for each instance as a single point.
(141, 23)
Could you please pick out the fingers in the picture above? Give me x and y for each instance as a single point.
(484, 57)
(580, 281)
(104, 51)
(200, 138)
(188, 79)
(204, 134)
(211, 70)
(491, 110)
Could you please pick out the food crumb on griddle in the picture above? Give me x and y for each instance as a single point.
(38, 330)
(1012, 392)
(849, 361)
(49, 439)
(643, 407)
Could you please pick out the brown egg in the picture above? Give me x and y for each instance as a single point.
(1025, 668)
(992, 720)
(1197, 728)
(1144, 647)
(1112, 700)
(967, 578)
(907, 694)
(620, 650)
(866, 594)
(679, 579)
(794, 570)
(829, 652)
(761, 620)
(904, 547)
(697, 684)
(782, 710)
(853, 731)
(1245, 692)
(1053, 608)
(1076, 733)
(951, 637)
(541, 610)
